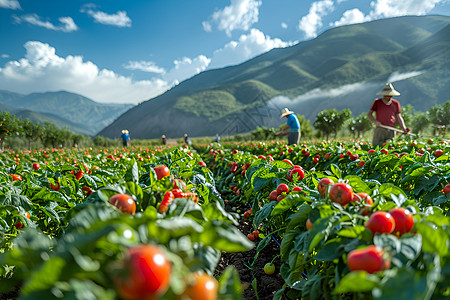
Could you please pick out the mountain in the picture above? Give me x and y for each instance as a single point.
(343, 67)
(66, 110)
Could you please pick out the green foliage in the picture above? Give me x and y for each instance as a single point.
(359, 125)
(330, 120)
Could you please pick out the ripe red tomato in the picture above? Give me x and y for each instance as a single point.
(341, 193)
(251, 237)
(247, 214)
(282, 188)
(146, 275)
(323, 185)
(36, 166)
(16, 177)
(87, 190)
(161, 171)
(202, 287)
(255, 233)
(79, 174)
(288, 161)
(369, 259)
(309, 224)
(361, 163)
(438, 153)
(124, 203)
(297, 189)
(381, 222)
(404, 220)
(55, 186)
(295, 170)
(446, 189)
(202, 163)
(273, 195)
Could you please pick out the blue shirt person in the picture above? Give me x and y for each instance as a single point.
(292, 127)
(126, 140)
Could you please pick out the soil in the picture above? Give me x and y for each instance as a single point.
(267, 285)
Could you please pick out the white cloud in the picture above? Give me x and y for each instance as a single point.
(10, 4)
(145, 66)
(284, 25)
(312, 22)
(240, 14)
(248, 46)
(351, 16)
(5, 55)
(185, 68)
(395, 8)
(396, 76)
(119, 19)
(67, 23)
(42, 70)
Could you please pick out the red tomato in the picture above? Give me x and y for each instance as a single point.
(161, 171)
(86, 190)
(341, 193)
(369, 259)
(446, 189)
(255, 233)
(280, 197)
(295, 170)
(309, 225)
(282, 188)
(16, 177)
(403, 218)
(273, 195)
(202, 163)
(297, 189)
(381, 222)
(361, 163)
(55, 187)
(251, 237)
(146, 275)
(179, 184)
(438, 152)
(323, 184)
(247, 214)
(124, 203)
(327, 156)
(79, 174)
(36, 166)
(203, 287)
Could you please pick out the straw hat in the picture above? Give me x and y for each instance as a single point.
(286, 112)
(389, 90)
(123, 131)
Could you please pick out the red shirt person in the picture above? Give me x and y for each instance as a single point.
(387, 113)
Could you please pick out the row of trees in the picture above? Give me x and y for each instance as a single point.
(16, 132)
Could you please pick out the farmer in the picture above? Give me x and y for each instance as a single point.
(187, 140)
(388, 113)
(292, 127)
(126, 140)
(164, 139)
(217, 138)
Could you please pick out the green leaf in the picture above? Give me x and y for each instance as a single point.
(287, 203)
(357, 184)
(358, 231)
(336, 171)
(299, 217)
(388, 189)
(357, 282)
(434, 240)
(263, 213)
(331, 250)
(230, 285)
(44, 276)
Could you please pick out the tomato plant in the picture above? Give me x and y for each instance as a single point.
(124, 203)
(269, 268)
(282, 188)
(146, 273)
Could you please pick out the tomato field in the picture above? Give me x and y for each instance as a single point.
(326, 220)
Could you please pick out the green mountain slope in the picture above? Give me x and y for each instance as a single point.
(342, 68)
(64, 109)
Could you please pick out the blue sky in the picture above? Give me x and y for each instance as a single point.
(131, 51)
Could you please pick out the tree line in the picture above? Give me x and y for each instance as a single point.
(18, 133)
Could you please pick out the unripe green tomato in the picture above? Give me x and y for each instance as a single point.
(269, 268)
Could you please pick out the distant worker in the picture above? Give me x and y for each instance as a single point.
(164, 139)
(126, 140)
(388, 114)
(187, 140)
(217, 138)
(292, 127)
